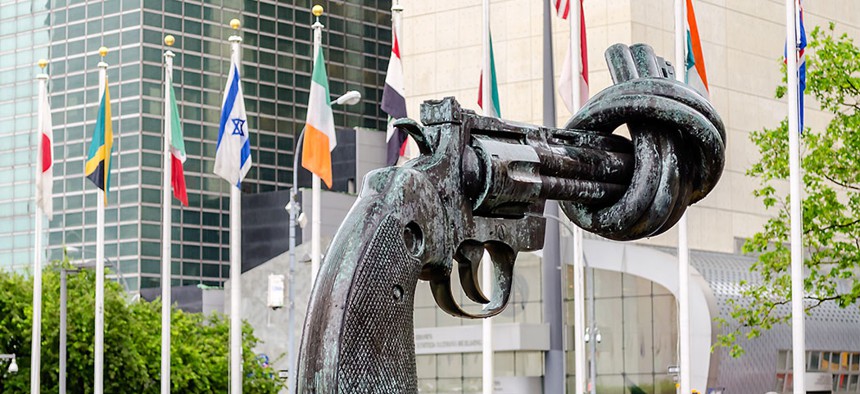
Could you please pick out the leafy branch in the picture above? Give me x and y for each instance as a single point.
(831, 200)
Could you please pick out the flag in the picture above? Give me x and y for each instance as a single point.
(562, 8)
(233, 152)
(394, 102)
(695, 75)
(800, 45)
(177, 149)
(98, 160)
(565, 84)
(319, 139)
(494, 86)
(45, 175)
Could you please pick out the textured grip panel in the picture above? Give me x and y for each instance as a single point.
(377, 337)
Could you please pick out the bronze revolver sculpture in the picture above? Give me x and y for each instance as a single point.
(481, 183)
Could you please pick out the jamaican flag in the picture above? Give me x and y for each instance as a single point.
(98, 159)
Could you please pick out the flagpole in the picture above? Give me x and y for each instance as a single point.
(486, 263)
(35, 360)
(316, 221)
(683, 247)
(100, 255)
(166, 222)
(552, 270)
(235, 254)
(291, 280)
(397, 18)
(578, 253)
(798, 334)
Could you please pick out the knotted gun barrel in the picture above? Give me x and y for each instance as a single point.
(480, 184)
(607, 184)
(679, 144)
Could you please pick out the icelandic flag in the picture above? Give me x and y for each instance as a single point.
(45, 175)
(394, 102)
(177, 148)
(320, 138)
(800, 45)
(565, 84)
(233, 152)
(695, 67)
(97, 167)
(494, 86)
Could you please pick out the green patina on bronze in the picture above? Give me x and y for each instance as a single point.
(480, 184)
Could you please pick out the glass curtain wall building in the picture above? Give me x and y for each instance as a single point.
(24, 38)
(276, 75)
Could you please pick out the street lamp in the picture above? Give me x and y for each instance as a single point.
(13, 366)
(64, 312)
(351, 97)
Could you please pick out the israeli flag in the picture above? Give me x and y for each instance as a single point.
(233, 152)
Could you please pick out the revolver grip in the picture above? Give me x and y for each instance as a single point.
(358, 334)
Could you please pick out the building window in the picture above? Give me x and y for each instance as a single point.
(843, 365)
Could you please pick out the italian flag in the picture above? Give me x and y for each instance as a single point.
(319, 138)
(177, 150)
(695, 68)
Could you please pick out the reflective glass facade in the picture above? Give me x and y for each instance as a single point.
(24, 38)
(637, 320)
(276, 78)
(638, 324)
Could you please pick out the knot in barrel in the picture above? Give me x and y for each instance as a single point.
(678, 145)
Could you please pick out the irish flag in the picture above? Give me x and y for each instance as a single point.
(696, 76)
(319, 138)
(177, 149)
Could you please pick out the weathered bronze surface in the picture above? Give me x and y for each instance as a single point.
(481, 184)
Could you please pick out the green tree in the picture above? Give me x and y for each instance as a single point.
(199, 349)
(831, 199)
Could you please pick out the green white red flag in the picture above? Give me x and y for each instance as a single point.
(177, 149)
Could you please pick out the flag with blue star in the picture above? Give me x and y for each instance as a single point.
(238, 124)
(233, 152)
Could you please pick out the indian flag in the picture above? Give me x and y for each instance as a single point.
(319, 139)
(177, 150)
(696, 76)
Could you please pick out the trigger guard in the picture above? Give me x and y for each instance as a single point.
(503, 258)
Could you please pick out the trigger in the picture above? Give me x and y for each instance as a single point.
(469, 257)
